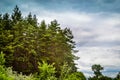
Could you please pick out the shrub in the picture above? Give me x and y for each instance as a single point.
(65, 71)
(9, 74)
(47, 71)
(2, 59)
(76, 76)
(3, 72)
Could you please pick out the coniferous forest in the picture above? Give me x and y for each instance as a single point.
(38, 51)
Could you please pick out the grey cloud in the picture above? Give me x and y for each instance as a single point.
(109, 58)
(91, 43)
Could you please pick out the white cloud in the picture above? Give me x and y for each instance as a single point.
(67, 18)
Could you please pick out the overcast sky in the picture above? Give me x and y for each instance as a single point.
(95, 25)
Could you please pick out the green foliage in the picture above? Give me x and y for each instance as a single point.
(25, 43)
(98, 75)
(3, 70)
(32, 20)
(2, 59)
(47, 71)
(117, 77)
(100, 78)
(9, 74)
(24, 48)
(67, 74)
(16, 15)
(96, 68)
(65, 71)
(76, 76)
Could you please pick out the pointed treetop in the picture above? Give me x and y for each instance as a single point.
(16, 16)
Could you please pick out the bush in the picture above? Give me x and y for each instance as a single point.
(47, 72)
(65, 71)
(2, 59)
(3, 70)
(9, 74)
(76, 76)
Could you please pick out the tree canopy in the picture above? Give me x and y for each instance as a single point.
(26, 43)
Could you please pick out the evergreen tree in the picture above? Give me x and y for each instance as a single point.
(32, 20)
(6, 22)
(6, 38)
(35, 21)
(16, 16)
(24, 55)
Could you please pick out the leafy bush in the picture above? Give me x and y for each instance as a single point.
(47, 71)
(65, 71)
(9, 74)
(3, 72)
(76, 76)
(2, 59)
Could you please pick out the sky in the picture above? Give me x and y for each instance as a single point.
(95, 25)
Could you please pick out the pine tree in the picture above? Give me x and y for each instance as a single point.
(32, 20)
(16, 16)
(6, 22)
(25, 56)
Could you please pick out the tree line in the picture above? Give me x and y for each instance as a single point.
(96, 68)
(33, 48)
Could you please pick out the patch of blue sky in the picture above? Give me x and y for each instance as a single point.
(63, 5)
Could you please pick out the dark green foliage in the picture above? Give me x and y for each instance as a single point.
(96, 68)
(98, 75)
(25, 56)
(32, 20)
(46, 72)
(101, 78)
(2, 59)
(76, 76)
(117, 77)
(16, 16)
(6, 22)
